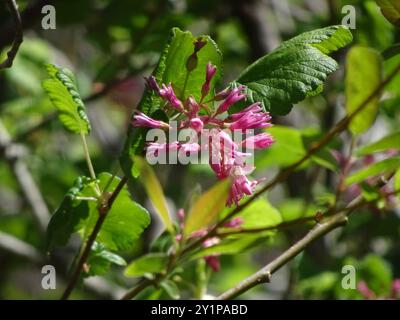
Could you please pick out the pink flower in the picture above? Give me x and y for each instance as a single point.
(234, 223)
(365, 291)
(189, 148)
(141, 120)
(153, 149)
(253, 108)
(234, 96)
(259, 141)
(210, 72)
(196, 124)
(395, 288)
(213, 262)
(251, 120)
(167, 92)
(152, 83)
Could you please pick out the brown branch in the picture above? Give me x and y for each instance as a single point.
(264, 274)
(143, 284)
(18, 37)
(337, 219)
(103, 212)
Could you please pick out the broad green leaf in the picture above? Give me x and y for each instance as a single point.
(149, 263)
(391, 141)
(69, 217)
(100, 260)
(287, 149)
(170, 288)
(364, 72)
(391, 10)
(62, 91)
(378, 168)
(292, 209)
(125, 221)
(295, 70)
(259, 214)
(154, 191)
(172, 68)
(207, 208)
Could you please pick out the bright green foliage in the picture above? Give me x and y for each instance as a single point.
(171, 289)
(149, 263)
(364, 72)
(62, 91)
(100, 260)
(125, 222)
(70, 216)
(295, 70)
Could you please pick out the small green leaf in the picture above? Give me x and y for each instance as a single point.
(391, 141)
(69, 217)
(295, 70)
(154, 191)
(149, 263)
(364, 72)
(397, 182)
(378, 168)
(62, 91)
(171, 289)
(391, 10)
(100, 260)
(125, 221)
(208, 206)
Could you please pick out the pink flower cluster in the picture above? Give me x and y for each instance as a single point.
(225, 156)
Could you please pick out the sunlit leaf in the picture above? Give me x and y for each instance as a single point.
(295, 70)
(364, 72)
(149, 263)
(62, 91)
(154, 191)
(208, 206)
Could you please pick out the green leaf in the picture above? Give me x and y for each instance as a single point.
(62, 91)
(378, 168)
(172, 68)
(364, 72)
(208, 206)
(259, 214)
(287, 149)
(294, 70)
(149, 263)
(125, 221)
(69, 217)
(154, 191)
(391, 10)
(100, 260)
(391, 141)
(170, 288)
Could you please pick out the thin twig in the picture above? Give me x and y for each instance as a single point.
(338, 219)
(18, 38)
(103, 211)
(143, 284)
